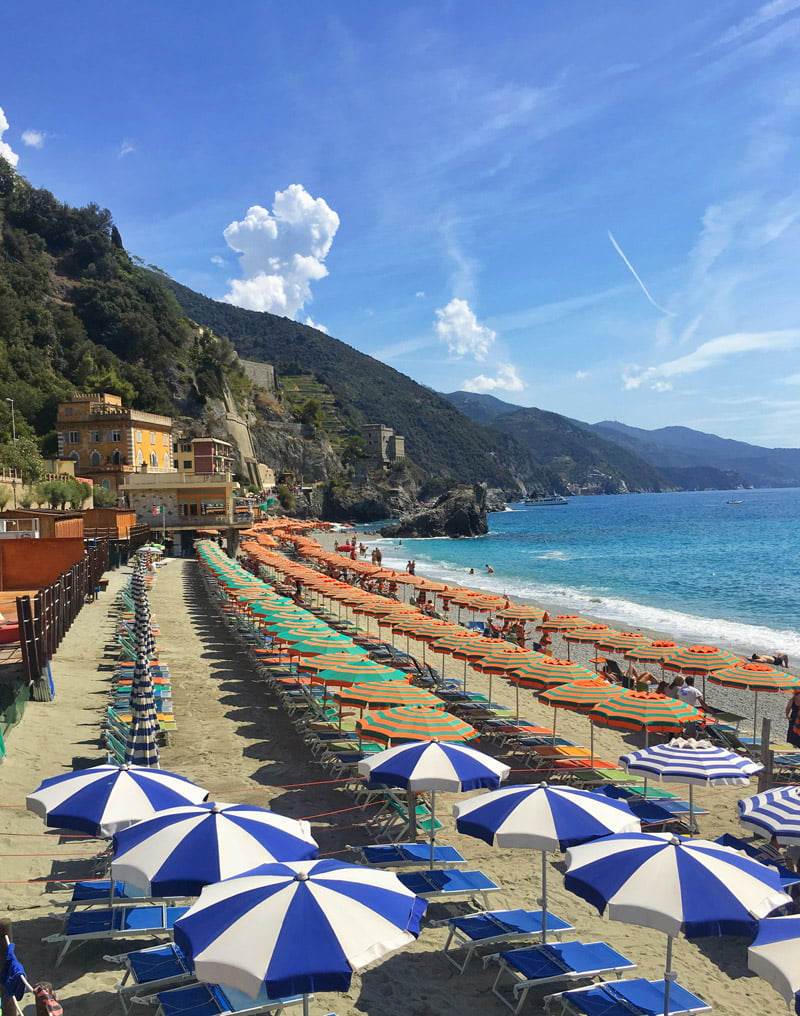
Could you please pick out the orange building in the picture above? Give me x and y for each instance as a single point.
(106, 441)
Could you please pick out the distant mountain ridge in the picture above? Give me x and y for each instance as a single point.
(690, 459)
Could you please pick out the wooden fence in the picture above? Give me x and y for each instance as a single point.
(45, 618)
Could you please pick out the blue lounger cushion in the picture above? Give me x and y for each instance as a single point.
(212, 1000)
(121, 919)
(158, 963)
(96, 890)
(550, 960)
(411, 853)
(635, 996)
(446, 880)
(507, 922)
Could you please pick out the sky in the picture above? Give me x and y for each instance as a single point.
(592, 208)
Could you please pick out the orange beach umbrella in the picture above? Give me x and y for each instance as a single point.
(414, 723)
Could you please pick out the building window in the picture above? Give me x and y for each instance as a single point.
(152, 437)
(96, 437)
(68, 411)
(96, 459)
(139, 458)
(106, 483)
(153, 459)
(73, 437)
(186, 447)
(187, 464)
(166, 460)
(183, 510)
(165, 441)
(116, 458)
(75, 457)
(115, 435)
(139, 436)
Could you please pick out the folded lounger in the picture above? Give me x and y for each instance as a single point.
(442, 885)
(636, 997)
(151, 970)
(152, 921)
(215, 1000)
(474, 932)
(565, 961)
(761, 852)
(396, 855)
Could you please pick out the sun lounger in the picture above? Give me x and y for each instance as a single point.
(151, 970)
(545, 964)
(398, 855)
(442, 885)
(494, 928)
(215, 1000)
(637, 997)
(149, 921)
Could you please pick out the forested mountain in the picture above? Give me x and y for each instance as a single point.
(76, 314)
(581, 459)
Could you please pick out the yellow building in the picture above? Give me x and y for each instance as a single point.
(107, 442)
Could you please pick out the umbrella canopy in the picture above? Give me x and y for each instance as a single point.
(685, 760)
(674, 884)
(563, 622)
(774, 812)
(774, 955)
(549, 671)
(581, 696)
(141, 748)
(433, 765)
(298, 927)
(414, 723)
(430, 765)
(754, 677)
(621, 641)
(651, 652)
(698, 659)
(644, 710)
(542, 818)
(104, 799)
(520, 612)
(178, 851)
(370, 694)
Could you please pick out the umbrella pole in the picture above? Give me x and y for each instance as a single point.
(555, 720)
(691, 808)
(305, 1005)
(543, 898)
(433, 828)
(516, 685)
(755, 713)
(591, 743)
(669, 976)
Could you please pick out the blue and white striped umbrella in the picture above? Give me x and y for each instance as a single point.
(775, 956)
(297, 928)
(685, 760)
(775, 813)
(141, 748)
(434, 765)
(674, 883)
(543, 818)
(178, 851)
(107, 798)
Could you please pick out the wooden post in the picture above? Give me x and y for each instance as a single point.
(765, 776)
(8, 1006)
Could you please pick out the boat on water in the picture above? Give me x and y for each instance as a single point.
(546, 501)
(735, 501)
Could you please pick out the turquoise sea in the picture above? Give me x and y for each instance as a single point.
(689, 564)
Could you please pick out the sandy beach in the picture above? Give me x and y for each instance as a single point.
(235, 740)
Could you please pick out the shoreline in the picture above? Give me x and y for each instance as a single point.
(729, 699)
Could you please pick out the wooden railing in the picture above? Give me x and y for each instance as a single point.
(45, 619)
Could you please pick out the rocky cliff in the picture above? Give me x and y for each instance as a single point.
(461, 511)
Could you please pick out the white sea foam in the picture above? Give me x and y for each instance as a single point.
(682, 627)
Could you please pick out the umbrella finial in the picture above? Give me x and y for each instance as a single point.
(301, 876)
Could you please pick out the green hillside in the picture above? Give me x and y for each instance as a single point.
(439, 438)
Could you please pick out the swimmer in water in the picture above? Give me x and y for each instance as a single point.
(489, 569)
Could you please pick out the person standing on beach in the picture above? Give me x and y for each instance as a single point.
(792, 711)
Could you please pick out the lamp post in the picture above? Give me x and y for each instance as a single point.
(13, 421)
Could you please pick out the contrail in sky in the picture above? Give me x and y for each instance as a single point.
(621, 253)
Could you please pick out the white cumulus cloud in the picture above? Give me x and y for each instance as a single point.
(33, 139)
(506, 379)
(282, 252)
(461, 330)
(5, 149)
(709, 354)
(217, 260)
(313, 324)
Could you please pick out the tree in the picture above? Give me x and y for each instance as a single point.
(285, 496)
(103, 497)
(311, 413)
(23, 456)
